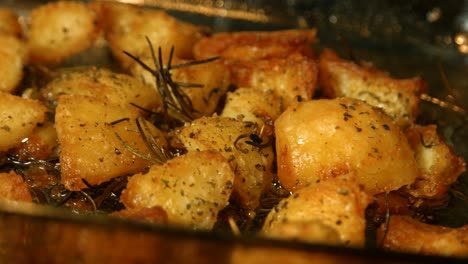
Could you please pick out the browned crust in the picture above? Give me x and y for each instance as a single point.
(252, 45)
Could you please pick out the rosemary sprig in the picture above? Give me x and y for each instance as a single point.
(158, 154)
(177, 106)
(161, 153)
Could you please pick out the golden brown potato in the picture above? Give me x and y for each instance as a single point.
(322, 139)
(255, 106)
(191, 188)
(398, 98)
(329, 212)
(251, 164)
(213, 76)
(13, 187)
(293, 78)
(126, 27)
(409, 235)
(9, 23)
(90, 149)
(13, 54)
(278, 61)
(255, 45)
(439, 165)
(18, 118)
(59, 30)
(103, 83)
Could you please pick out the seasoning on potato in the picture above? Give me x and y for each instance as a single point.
(331, 211)
(322, 139)
(192, 188)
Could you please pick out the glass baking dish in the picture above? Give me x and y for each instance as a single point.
(406, 38)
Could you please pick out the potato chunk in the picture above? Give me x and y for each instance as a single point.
(255, 45)
(59, 30)
(398, 98)
(251, 164)
(9, 24)
(191, 188)
(18, 118)
(212, 76)
(103, 83)
(409, 235)
(278, 61)
(126, 27)
(255, 106)
(292, 78)
(90, 149)
(331, 212)
(13, 54)
(322, 139)
(13, 187)
(439, 165)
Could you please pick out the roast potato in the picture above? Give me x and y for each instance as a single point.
(439, 165)
(329, 212)
(251, 164)
(399, 98)
(59, 30)
(191, 188)
(255, 45)
(255, 106)
(127, 26)
(14, 56)
(321, 139)
(102, 83)
(18, 119)
(90, 148)
(292, 78)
